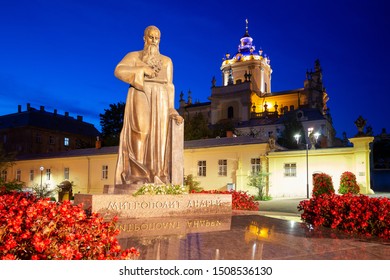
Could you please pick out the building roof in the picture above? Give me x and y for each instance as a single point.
(224, 141)
(193, 144)
(285, 92)
(47, 120)
(72, 153)
(308, 114)
(198, 104)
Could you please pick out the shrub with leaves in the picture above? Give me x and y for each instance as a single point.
(33, 228)
(322, 184)
(10, 186)
(258, 180)
(348, 183)
(152, 189)
(191, 183)
(43, 191)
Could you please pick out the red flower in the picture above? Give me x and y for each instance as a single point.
(32, 228)
(240, 200)
(350, 213)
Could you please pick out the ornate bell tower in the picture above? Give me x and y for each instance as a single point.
(248, 65)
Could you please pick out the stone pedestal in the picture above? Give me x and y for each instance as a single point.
(142, 206)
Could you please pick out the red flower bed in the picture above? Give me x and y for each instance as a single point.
(240, 200)
(350, 213)
(32, 228)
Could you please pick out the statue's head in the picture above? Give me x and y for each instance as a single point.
(152, 36)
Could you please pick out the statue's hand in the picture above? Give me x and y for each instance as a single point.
(175, 115)
(149, 72)
(179, 119)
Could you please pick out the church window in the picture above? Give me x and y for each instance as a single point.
(202, 168)
(38, 138)
(4, 175)
(290, 170)
(31, 174)
(66, 173)
(222, 167)
(48, 174)
(18, 175)
(265, 87)
(105, 172)
(66, 141)
(255, 165)
(230, 112)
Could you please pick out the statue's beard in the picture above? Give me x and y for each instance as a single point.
(151, 56)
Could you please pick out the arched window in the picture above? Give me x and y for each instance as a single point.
(265, 88)
(230, 112)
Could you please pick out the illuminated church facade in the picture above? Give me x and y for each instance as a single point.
(245, 98)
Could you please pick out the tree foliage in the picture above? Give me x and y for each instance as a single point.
(292, 126)
(196, 128)
(6, 158)
(192, 184)
(258, 180)
(111, 122)
(221, 127)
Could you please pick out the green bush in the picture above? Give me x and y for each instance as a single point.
(151, 189)
(10, 186)
(348, 183)
(258, 180)
(322, 184)
(192, 184)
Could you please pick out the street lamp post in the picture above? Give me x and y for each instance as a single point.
(41, 168)
(297, 137)
(307, 170)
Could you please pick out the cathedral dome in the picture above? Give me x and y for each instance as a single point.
(246, 49)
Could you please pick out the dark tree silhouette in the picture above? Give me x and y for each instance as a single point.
(111, 122)
(292, 126)
(196, 128)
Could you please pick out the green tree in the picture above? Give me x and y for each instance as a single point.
(111, 122)
(221, 127)
(6, 161)
(196, 128)
(292, 126)
(6, 158)
(14, 185)
(192, 184)
(258, 180)
(44, 190)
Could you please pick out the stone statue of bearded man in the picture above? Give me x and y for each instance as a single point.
(145, 139)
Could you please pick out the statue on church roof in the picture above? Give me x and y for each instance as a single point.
(213, 82)
(360, 124)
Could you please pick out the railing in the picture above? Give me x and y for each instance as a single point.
(264, 115)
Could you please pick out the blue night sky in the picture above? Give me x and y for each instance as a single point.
(62, 54)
